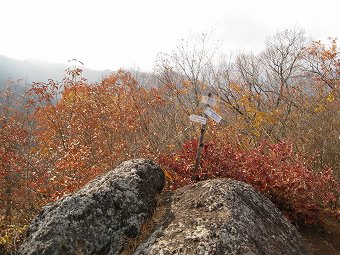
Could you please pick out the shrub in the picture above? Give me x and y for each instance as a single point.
(285, 177)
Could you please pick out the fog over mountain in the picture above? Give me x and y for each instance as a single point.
(35, 71)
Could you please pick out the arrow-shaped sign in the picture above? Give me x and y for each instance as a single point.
(197, 118)
(212, 114)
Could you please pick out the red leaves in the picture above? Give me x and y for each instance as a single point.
(273, 169)
(88, 129)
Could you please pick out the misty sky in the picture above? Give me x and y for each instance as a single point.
(109, 34)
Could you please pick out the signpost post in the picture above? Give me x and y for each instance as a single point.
(208, 101)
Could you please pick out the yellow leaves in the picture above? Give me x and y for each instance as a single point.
(327, 101)
(330, 97)
(172, 146)
(235, 87)
(245, 101)
(11, 234)
(259, 118)
(183, 91)
(271, 118)
(167, 174)
(187, 84)
(259, 115)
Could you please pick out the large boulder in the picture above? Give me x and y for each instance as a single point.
(116, 214)
(221, 216)
(101, 216)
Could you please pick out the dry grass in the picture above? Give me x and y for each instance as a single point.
(147, 228)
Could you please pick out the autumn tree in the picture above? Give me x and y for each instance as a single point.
(90, 129)
(324, 62)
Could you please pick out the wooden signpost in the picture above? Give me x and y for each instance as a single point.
(208, 112)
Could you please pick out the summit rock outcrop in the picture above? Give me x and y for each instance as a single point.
(218, 216)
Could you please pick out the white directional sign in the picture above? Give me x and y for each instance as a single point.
(209, 100)
(212, 114)
(197, 118)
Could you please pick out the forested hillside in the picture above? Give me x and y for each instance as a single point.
(32, 71)
(279, 133)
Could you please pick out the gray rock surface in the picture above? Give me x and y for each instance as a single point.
(116, 214)
(101, 216)
(221, 216)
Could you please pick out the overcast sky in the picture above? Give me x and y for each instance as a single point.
(109, 34)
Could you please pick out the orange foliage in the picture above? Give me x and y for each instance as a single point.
(89, 130)
(66, 133)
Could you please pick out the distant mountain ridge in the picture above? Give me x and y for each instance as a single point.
(35, 71)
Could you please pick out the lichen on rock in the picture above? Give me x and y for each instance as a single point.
(101, 216)
(222, 216)
(212, 217)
